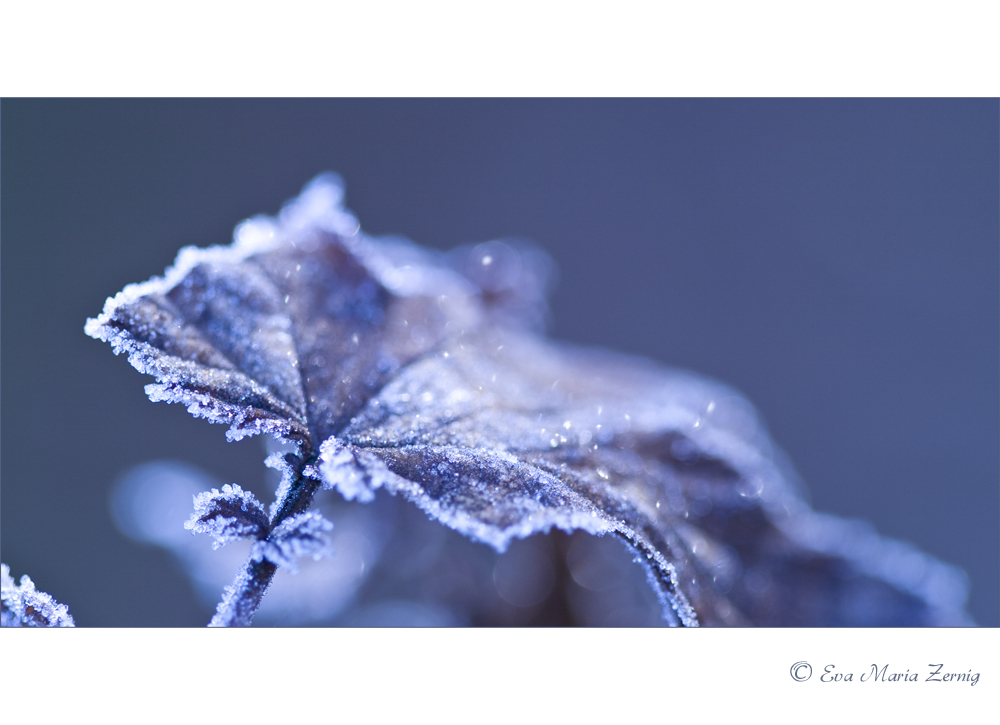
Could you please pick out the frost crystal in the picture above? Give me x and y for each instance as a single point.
(388, 366)
(228, 516)
(25, 606)
(301, 535)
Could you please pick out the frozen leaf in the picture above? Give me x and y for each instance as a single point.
(24, 606)
(388, 366)
(228, 516)
(301, 535)
(289, 331)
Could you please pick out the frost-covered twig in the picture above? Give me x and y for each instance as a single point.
(25, 606)
(292, 532)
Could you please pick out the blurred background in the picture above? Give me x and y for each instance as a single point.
(836, 260)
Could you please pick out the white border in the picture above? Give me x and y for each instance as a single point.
(514, 48)
(491, 675)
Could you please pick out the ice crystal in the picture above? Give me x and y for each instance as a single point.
(24, 606)
(386, 366)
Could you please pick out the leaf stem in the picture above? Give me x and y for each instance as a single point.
(241, 600)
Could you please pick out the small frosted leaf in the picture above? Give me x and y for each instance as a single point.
(301, 535)
(229, 515)
(24, 606)
(389, 366)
